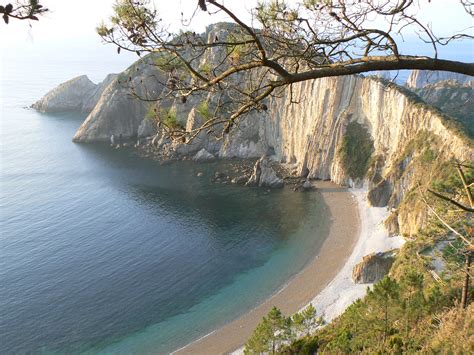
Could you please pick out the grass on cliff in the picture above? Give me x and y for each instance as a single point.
(356, 150)
(168, 117)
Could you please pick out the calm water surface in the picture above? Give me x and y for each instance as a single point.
(105, 252)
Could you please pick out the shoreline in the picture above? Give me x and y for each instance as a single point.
(300, 290)
(341, 292)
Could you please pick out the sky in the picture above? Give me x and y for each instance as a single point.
(70, 24)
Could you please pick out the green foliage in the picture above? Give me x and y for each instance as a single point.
(387, 320)
(169, 118)
(302, 346)
(206, 68)
(275, 332)
(455, 334)
(306, 320)
(456, 101)
(356, 150)
(401, 313)
(428, 156)
(152, 113)
(411, 311)
(132, 19)
(236, 48)
(203, 110)
(168, 62)
(270, 334)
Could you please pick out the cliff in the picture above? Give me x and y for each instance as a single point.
(421, 78)
(453, 98)
(118, 111)
(351, 130)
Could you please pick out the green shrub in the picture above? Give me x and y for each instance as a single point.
(169, 118)
(203, 110)
(151, 113)
(356, 150)
(168, 62)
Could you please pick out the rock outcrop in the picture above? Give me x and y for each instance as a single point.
(89, 103)
(420, 78)
(203, 155)
(119, 111)
(453, 98)
(69, 96)
(264, 176)
(373, 267)
(79, 94)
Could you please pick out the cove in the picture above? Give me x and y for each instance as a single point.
(105, 252)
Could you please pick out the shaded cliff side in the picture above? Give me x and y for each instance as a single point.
(118, 110)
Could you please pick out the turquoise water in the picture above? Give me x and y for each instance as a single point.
(104, 252)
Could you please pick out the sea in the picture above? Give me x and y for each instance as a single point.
(104, 252)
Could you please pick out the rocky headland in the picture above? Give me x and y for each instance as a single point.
(79, 94)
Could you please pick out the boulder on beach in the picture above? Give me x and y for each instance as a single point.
(373, 267)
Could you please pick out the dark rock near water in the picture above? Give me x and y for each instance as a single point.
(264, 176)
(240, 180)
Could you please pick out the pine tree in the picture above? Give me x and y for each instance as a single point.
(270, 334)
(306, 320)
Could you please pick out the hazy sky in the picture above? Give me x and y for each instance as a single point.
(71, 24)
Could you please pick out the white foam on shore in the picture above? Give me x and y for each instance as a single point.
(341, 292)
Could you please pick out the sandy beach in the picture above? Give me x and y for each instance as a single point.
(303, 287)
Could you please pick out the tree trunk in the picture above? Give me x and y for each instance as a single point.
(465, 287)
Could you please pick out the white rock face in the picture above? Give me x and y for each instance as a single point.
(307, 135)
(421, 78)
(68, 96)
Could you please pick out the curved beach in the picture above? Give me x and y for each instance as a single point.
(303, 287)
